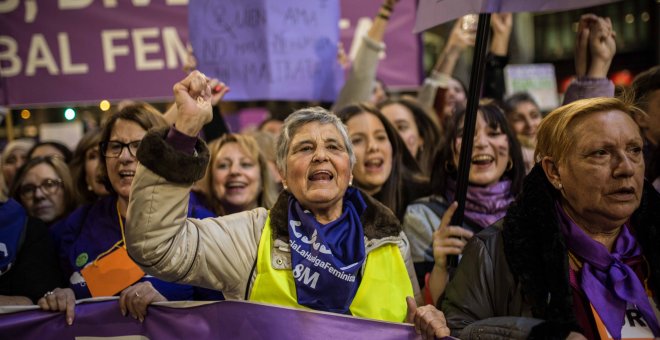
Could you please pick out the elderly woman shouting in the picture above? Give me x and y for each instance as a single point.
(577, 254)
(324, 245)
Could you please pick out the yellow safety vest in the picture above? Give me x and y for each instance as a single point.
(381, 294)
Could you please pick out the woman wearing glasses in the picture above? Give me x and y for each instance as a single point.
(91, 239)
(45, 189)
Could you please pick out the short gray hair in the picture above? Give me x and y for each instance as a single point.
(309, 115)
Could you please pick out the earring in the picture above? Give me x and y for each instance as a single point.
(560, 186)
(509, 165)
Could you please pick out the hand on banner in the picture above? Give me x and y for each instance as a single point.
(448, 240)
(429, 322)
(193, 102)
(60, 300)
(135, 299)
(460, 39)
(502, 25)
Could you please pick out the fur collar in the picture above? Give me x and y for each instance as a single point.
(537, 255)
(377, 220)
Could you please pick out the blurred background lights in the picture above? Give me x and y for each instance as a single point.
(25, 114)
(70, 114)
(104, 105)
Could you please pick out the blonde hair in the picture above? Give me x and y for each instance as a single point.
(555, 134)
(248, 144)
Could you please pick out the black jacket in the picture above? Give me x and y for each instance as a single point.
(513, 279)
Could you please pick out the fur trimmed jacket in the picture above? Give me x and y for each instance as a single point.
(513, 279)
(220, 252)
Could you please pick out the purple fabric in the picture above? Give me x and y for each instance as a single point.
(484, 205)
(327, 258)
(180, 141)
(402, 63)
(585, 87)
(222, 320)
(435, 12)
(607, 281)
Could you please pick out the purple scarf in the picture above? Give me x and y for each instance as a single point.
(484, 205)
(326, 259)
(607, 281)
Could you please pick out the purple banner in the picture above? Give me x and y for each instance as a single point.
(401, 65)
(269, 49)
(435, 12)
(83, 50)
(220, 320)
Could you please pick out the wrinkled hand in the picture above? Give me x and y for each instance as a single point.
(136, 298)
(602, 45)
(429, 322)
(60, 300)
(501, 23)
(449, 240)
(459, 39)
(193, 101)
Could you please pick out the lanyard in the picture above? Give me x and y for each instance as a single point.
(119, 243)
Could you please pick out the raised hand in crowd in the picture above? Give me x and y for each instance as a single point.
(135, 299)
(60, 300)
(429, 322)
(595, 39)
(447, 240)
(502, 25)
(193, 98)
(459, 39)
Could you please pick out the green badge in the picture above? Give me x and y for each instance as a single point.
(81, 260)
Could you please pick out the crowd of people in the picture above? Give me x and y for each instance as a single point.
(348, 210)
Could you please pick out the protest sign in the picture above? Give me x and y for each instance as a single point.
(269, 49)
(69, 51)
(539, 80)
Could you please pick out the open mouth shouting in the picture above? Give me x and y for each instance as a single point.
(321, 176)
(482, 160)
(374, 165)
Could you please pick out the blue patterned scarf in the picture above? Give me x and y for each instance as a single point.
(326, 259)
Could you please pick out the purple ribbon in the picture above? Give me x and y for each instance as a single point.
(607, 281)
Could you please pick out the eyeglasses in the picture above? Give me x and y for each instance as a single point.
(113, 149)
(48, 186)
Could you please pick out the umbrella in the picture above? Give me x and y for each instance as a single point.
(434, 12)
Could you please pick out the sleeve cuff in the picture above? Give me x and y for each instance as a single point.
(158, 155)
(373, 44)
(180, 141)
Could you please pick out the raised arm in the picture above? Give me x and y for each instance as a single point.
(362, 76)
(595, 38)
(215, 253)
(459, 39)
